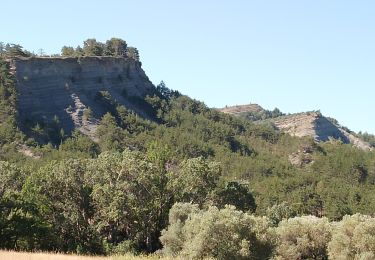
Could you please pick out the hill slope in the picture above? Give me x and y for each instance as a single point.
(307, 124)
(114, 195)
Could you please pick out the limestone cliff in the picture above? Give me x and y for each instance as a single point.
(66, 87)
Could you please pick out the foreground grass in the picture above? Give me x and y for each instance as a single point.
(11, 255)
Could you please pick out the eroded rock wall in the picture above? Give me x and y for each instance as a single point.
(65, 87)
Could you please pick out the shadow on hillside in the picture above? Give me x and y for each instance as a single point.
(326, 130)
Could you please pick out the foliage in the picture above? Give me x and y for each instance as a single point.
(13, 50)
(353, 238)
(221, 234)
(194, 180)
(370, 138)
(303, 238)
(114, 47)
(279, 212)
(262, 114)
(235, 194)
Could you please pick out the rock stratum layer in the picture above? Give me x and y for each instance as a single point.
(66, 87)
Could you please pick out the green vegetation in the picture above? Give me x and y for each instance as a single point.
(11, 50)
(370, 138)
(91, 47)
(262, 114)
(188, 181)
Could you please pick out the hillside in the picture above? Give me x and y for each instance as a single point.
(95, 159)
(308, 124)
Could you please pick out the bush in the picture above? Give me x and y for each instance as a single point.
(353, 238)
(278, 212)
(303, 238)
(221, 234)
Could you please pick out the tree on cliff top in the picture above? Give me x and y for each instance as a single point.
(67, 51)
(115, 47)
(132, 53)
(91, 47)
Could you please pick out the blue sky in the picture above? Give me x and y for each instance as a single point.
(294, 55)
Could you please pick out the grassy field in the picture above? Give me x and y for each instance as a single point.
(11, 255)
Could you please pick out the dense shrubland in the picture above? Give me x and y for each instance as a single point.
(206, 183)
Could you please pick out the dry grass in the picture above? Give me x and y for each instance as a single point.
(11, 255)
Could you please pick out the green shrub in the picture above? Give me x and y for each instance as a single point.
(353, 238)
(221, 234)
(303, 238)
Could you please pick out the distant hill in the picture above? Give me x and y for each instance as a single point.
(311, 124)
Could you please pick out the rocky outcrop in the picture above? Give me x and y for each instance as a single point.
(66, 87)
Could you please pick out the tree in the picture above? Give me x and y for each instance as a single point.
(93, 48)
(79, 51)
(67, 51)
(14, 50)
(2, 49)
(132, 53)
(235, 194)
(63, 199)
(111, 136)
(130, 198)
(115, 47)
(80, 143)
(194, 180)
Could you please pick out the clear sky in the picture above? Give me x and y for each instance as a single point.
(292, 54)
